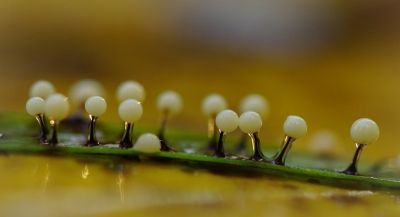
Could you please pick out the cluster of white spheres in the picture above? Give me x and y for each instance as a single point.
(295, 127)
(131, 93)
(148, 143)
(130, 110)
(255, 103)
(227, 121)
(131, 90)
(364, 131)
(169, 101)
(42, 89)
(35, 106)
(57, 106)
(213, 104)
(96, 106)
(250, 122)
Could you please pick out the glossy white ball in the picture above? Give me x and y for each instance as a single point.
(42, 89)
(169, 101)
(295, 127)
(35, 106)
(250, 122)
(213, 104)
(84, 89)
(57, 106)
(255, 103)
(227, 121)
(96, 106)
(148, 143)
(130, 110)
(131, 90)
(364, 131)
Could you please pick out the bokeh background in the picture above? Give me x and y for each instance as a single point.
(330, 62)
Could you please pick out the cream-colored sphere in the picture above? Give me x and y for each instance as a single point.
(42, 89)
(255, 103)
(96, 106)
(250, 122)
(35, 106)
(213, 104)
(130, 110)
(295, 127)
(84, 89)
(169, 101)
(148, 143)
(57, 106)
(227, 121)
(131, 90)
(364, 131)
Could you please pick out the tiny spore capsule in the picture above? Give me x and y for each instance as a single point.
(56, 108)
(35, 106)
(148, 143)
(364, 131)
(250, 123)
(169, 103)
(227, 121)
(129, 111)
(213, 104)
(95, 106)
(294, 127)
(42, 89)
(130, 90)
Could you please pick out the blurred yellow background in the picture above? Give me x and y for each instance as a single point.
(329, 62)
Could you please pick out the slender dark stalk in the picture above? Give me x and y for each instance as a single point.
(43, 136)
(162, 125)
(126, 141)
(220, 152)
(257, 153)
(212, 133)
(280, 156)
(54, 140)
(46, 130)
(352, 169)
(164, 146)
(92, 140)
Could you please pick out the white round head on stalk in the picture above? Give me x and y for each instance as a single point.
(148, 143)
(84, 89)
(213, 104)
(227, 121)
(255, 103)
(364, 131)
(35, 106)
(96, 106)
(250, 122)
(57, 106)
(42, 89)
(131, 90)
(130, 110)
(295, 127)
(169, 101)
